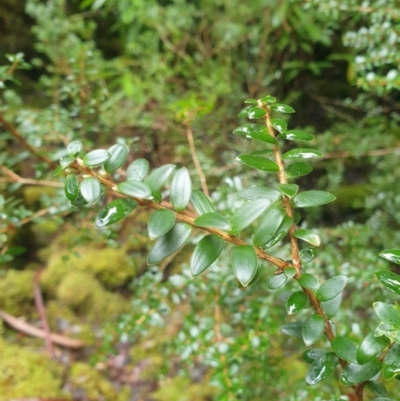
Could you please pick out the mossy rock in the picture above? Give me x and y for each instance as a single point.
(16, 291)
(26, 374)
(87, 384)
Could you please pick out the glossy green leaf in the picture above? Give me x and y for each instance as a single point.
(377, 388)
(201, 203)
(169, 243)
(298, 169)
(294, 329)
(308, 255)
(280, 233)
(137, 170)
(301, 153)
(285, 295)
(269, 224)
(392, 360)
(290, 272)
(249, 129)
(160, 222)
(134, 188)
(247, 213)
(393, 255)
(260, 193)
(282, 108)
(74, 148)
(308, 236)
(119, 154)
(276, 281)
(297, 135)
(181, 189)
(252, 112)
(79, 201)
(390, 330)
(263, 152)
(313, 198)
(259, 163)
(268, 99)
(313, 328)
(331, 288)
(265, 137)
(71, 187)
(390, 280)
(321, 368)
(345, 348)
(244, 113)
(387, 313)
(296, 302)
(58, 170)
(90, 189)
(279, 125)
(355, 374)
(309, 281)
(251, 101)
(370, 347)
(206, 253)
(311, 355)
(332, 306)
(114, 212)
(159, 176)
(66, 161)
(213, 219)
(289, 190)
(96, 158)
(245, 263)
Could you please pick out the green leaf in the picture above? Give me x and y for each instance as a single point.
(90, 189)
(297, 135)
(244, 113)
(158, 176)
(259, 163)
(294, 329)
(355, 374)
(311, 355)
(392, 255)
(377, 388)
(79, 201)
(245, 263)
(252, 112)
(71, 187)
(96, 158)
(313, 328)
(308, 236)
(268, 99)
(391, 331)
(74, 148)
(301, 153)
(289, 190)
(201, 203)
(282, 108)
(331, 288)
(307, 280)
(246, 214)
(345, 348)
(137, 170)
(370, 347)
(308, 255)
(276, 281)
(119, 154)
(160, 222)
(65, 162)
(321, 368)
(134, 188)
(285, 295)
(269, 224)
(298, 169)
(181, 189)
(390, 280)
(332, 306)
(169, 243)
(392, 360)
(265, 137)
(279, 125)
(206, 253)
(213, 219)
(290, 272)
(251, 101)
(280, 232)
(387, 313)
(58, 170)
(313, 198)
(296, 302)
(249, 129)
(114, 212)
(260, 193)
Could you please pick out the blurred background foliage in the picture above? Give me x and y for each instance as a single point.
(145, 73)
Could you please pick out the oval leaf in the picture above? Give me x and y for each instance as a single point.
(355, 374)
(309, 281)
(345, 349)
(259, 163)
(370, 347)
(311, 355)
(308, 255)
(169, 243)
(134, 188)
(297, 135)
(206, 253)
(96, 158)
(301, 153)
(74, 148)
(282, 108)
(265, 137)
(377, 388)
(279, 125)
(298, 169)
(387, 313)
(158, 176)
(276, 281)
(90, 189)
(213, 219)
(294, 329)
(313, 198)
(248, 129)
(260, 193)
(71, 187)
(390, 280)
(268, 99)
(332, 306)
(331, 288)
(281, 232)
(181, 189)
(244, 262)
(137, 170)
(256, 112)
(321, 368)
(115, 211)
(160, 222)
(393, 255)
(289, 190)
(308, 236)
(313, 328)
(392, 360)
(119, 154)
(296, 302)
(201, 203)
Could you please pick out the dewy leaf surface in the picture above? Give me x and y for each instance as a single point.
(393, 255)
(137, 170)
(114, 212)
(390, 280)
(355, 374)
(206, 253)
(244, 262)
(321, 368)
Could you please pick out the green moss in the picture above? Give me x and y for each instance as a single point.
(26, 374)
(85, 379)
(16, 291)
